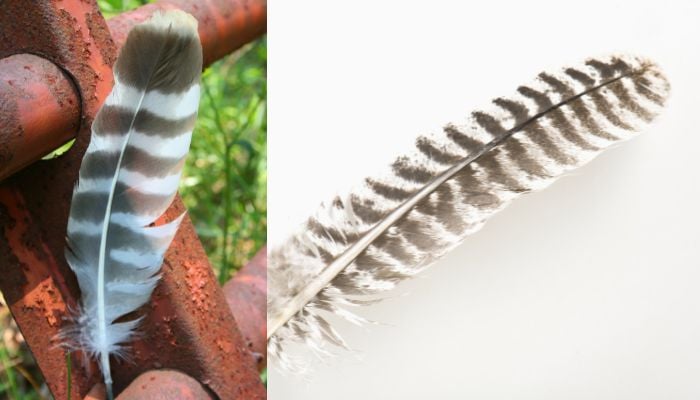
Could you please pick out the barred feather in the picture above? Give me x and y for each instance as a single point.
(128, 178)
(393, 226)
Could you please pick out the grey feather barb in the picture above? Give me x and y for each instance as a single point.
(392, 227)
(128, 178)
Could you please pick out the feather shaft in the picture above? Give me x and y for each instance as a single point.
(124, 185)
(342, 261)
(394, 226)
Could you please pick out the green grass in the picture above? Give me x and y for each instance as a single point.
(225, 180)
(224, 183)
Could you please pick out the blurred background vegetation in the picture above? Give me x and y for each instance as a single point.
(224, 186)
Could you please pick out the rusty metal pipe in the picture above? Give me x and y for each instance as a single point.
(224, 25)
(39, 108)
(246, 294)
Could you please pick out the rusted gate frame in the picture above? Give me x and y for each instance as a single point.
(55, 70)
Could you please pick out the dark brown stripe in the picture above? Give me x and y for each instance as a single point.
(405, 170)
(581, 77)
(540, 137)
(568, 131)
(489, 123)
(128, 198)
(326, 256)
(608, 71)
(426, 147)
(99, 164)
(603, 107)
(363, 210)
(388, 192)
(338, 203)
(619, 90)
(440, 204)
(557, 117)
(326, 232)
(559, 86)
(112, 120)
(119, 237)
(519, 155)
(617, 68)
(395, 247)
(314, 248)
(90, 206)
(519, 112)
(495, 172)
(543, 102)
(577, 106)
(155, 59)
(473, 191)
(416, 233)
(153, 125)
(347, 282)
(469, 144)
(82, 249)
(581, 111)
(641, 84)
(115, 120)
(102, 164)
(140, 161)
(377, 268)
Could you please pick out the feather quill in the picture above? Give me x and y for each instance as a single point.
(128, 178)
(393, 226)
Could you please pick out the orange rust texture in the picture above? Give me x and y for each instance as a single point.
(190, 328)
(165, 385)
(38, 197)
(224, 26)
(198, 336)
(35, 290)
(31, 83)
(246, 294)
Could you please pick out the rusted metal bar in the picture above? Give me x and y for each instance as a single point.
(44, 104)
(188, 325)
(224, 25)
(32, 129)
(157, 385)
(165, 385)
(246, 294)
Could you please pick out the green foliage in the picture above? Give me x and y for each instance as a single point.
(19, 377)
(225, 180)
(111, 8)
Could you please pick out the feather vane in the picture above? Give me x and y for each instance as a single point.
(393, 226)
(128, 178)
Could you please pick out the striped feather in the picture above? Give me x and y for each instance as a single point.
(393, 226)
(128, 178)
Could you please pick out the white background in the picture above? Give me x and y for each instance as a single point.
(587, 290)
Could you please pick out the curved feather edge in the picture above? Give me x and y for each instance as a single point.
(358, 246)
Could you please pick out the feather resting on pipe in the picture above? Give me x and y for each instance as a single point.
(128, 178)
(393, 226)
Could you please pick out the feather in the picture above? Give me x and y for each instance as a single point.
(128, 178)
(393, 226)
